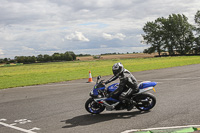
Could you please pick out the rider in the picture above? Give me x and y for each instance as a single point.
(127, 86)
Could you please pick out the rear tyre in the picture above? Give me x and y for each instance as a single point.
(93, 107)
(145, 101)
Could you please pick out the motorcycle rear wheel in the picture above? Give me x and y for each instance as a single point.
(145, 101)
(93, 107)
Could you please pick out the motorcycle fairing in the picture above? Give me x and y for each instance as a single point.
(142, 85)
(112, 87)
(95, 91)
(106, 99)
(147, 84)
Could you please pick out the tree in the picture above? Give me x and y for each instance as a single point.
(68, 56)
(1, 60)
(149, 50)
(47, 58)
(197, 21)
(32, 59)
(19, 59)
(40, 58)
(5, 60)
(196, 47)
(72, 54)
(153, 35)
(181, 32)
(197, 38)
(172, 33)
(56, 57)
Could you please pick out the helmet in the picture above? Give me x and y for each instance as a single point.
(117, 69)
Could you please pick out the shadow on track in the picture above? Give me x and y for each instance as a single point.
(90, 119)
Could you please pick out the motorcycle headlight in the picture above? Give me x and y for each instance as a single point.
(99, 96)
(91, 92)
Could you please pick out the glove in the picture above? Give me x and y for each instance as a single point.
(106, 82)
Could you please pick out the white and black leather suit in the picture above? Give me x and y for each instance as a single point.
(127, 86)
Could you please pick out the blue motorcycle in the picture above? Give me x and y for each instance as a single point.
(99, 102)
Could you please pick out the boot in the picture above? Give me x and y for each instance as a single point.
(131, 104)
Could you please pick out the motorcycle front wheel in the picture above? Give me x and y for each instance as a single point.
(145, 101)
(93, 107)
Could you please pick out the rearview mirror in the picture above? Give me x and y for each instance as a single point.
(98, 77)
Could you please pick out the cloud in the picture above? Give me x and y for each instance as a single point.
(97, 25)
(46, 25)
(103, 46)
(1, 52)
(119, 36)
(27, 48)
(77, 36)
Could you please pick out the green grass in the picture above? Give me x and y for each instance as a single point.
(42, 73)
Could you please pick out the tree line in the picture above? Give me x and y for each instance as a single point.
(67, 56)
(174, 35)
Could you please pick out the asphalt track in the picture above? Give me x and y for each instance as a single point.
(59, 107)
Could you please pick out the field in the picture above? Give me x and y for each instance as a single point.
(42, 73)
(118, 56)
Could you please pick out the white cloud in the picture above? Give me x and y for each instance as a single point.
(77, 36)
(103, 46)
(107, 36)
(27, 48)
(8, 36)
(1, 52)
(45, 26)
(119, 36)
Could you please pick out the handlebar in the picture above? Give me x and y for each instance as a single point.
(100, 84)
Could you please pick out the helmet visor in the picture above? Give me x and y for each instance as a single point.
(116, 72)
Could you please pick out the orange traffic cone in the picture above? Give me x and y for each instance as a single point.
(90, 77)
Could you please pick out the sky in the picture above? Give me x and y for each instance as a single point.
(33, 27)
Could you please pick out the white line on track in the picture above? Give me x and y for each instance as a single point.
(159, 128)
(16, 128)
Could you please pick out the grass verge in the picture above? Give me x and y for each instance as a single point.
(42, 73)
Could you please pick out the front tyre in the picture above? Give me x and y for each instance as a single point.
(93, 107)
(145, 101)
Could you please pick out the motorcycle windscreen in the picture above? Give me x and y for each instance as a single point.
(147, 84)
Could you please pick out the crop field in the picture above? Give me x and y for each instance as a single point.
(118, 56)
(42, 73)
